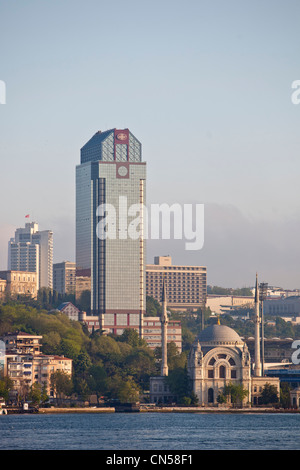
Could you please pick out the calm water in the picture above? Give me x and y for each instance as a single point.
(146, 431)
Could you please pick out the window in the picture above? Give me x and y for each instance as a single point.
(233, 374)
(222, 372)
(210, 373)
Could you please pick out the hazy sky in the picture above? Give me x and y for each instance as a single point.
(204, 85)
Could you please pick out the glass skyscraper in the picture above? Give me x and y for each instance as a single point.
(111, 172)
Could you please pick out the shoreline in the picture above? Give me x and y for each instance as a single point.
(175, 409)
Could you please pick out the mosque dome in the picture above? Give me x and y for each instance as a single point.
(219, 334)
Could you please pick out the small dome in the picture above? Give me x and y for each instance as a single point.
(217, 334)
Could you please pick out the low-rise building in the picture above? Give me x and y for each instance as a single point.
(70, 310)
(220, 304)
(19, 283)
(25, 364)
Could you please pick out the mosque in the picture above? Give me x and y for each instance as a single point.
(218, 357)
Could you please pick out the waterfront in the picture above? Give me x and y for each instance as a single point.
(148, 431)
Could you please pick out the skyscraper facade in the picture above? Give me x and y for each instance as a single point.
(31, 250)
(112, 176)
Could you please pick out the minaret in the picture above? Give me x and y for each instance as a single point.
(257, 362)
(164, 328)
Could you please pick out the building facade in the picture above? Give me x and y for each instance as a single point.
(110, 181)
(83, 282)
(116, 324)
(152, 332)
(64, 277)
(25, 364)
(70, 310)
(31, 250)
(218, 357)
(283, 306)
(186, 285)
(16, 283)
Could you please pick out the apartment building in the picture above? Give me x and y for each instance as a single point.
(25, 364)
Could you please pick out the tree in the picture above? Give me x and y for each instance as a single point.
(153, 307)
(131, 336)
(179, 384)
(285, 398)
(128, 391)
(6, 384)
(61, 384)
(235, 392)
(97, 380)
(35, 393)
(269, 395)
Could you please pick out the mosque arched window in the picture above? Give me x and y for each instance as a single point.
(231, 362)
(222, 372)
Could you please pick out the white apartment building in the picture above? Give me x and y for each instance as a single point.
(31, 250)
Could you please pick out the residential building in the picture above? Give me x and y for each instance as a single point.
(25, 364)
(109, 181)
(31, 250)
(22, 343)
(64, 277)
(14, 283)
(186, 285)
(3, 284)
(70, 310)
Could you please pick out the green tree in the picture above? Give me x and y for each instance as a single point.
(128, 391)
(285, 398)
(269, 395)
(153, 307)
(61, 384)
(35, 393)
(179, 384)
(6, 384)
(236, 392)
(97, 381)
(131, 337)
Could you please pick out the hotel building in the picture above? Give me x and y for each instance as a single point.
(31, 250)
(111, 173)
(186, 285)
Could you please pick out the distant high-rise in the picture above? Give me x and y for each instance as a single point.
(64, 277)
(111, 172)
(31, 250)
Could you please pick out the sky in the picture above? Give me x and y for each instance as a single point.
(205, 86)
